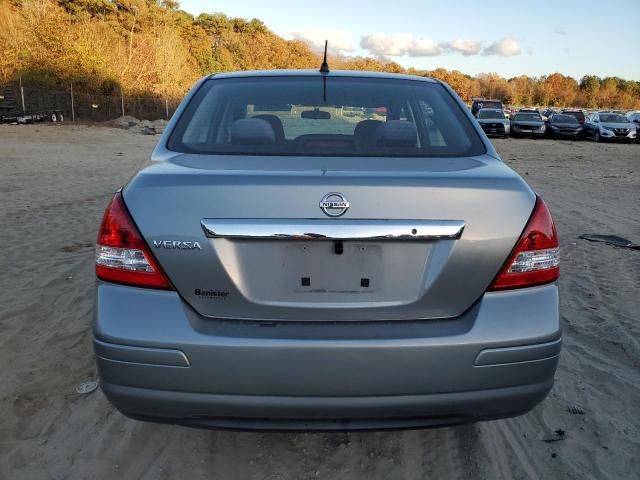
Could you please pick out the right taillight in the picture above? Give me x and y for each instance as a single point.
(536, 258)
(122, 255)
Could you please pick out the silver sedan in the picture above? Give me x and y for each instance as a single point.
(325, 250)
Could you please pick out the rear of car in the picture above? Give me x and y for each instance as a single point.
(577, 114)
(325, 251)
(480, 103)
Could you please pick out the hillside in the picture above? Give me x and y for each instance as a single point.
(145, 47)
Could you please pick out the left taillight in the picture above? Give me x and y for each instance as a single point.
(122, 255)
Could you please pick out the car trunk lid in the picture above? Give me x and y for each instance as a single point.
(245, 237)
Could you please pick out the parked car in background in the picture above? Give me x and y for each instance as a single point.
(579, 114)
(493, 122)
(305, 271)
(610, 126)
(635, 118)
(529, 110)
(480, 103)
(560, 125)
(547, 113)
(528, 124)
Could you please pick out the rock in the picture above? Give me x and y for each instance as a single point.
(555, 436)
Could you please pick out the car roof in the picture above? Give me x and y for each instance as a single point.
(490, 110)
(316, 73)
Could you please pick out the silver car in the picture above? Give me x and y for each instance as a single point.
(494, 122)
(320, 251)
(610, 126)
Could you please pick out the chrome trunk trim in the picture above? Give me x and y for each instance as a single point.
(290, 229)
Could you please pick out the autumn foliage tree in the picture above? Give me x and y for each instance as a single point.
(151, 47)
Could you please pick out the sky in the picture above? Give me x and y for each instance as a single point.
(538, 37)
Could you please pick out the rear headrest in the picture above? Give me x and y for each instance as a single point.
(251, 131)
(366, 127)
(276, 124)
(365, 132)
(397, 133)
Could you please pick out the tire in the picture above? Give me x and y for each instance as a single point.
(596, 137)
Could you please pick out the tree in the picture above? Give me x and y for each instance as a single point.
(151, 47)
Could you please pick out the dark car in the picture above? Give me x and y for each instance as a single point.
(527, 124)
(480, 103)
(494, 122)
(579, 114)
(561, 125)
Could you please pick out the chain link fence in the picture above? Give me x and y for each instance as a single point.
(17, 99)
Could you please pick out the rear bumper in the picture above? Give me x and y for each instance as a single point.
(159, 360)
(250, 412)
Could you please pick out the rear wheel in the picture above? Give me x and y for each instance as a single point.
(596, 136)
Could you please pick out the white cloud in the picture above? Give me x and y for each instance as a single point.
(463, 46)
(398, 44)
(401, 44)
(395, 44)
(559, 31)
(506, 47)
(423, 47)
(339, 40)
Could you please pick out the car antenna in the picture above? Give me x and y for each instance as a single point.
(324, 68)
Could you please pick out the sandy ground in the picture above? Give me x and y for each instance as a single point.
(54, 184)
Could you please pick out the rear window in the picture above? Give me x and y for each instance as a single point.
(480, 104)
(331, 116)
(578, 115)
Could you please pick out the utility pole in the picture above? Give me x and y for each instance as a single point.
(73, 111)
(166, 107)
(24, 110)
(122, 101)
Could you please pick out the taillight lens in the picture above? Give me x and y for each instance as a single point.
(122, 256)
(536, 257)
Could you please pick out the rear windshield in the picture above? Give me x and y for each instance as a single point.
(487, 104)
(578, 115)
(493, 114)
(331, 116)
